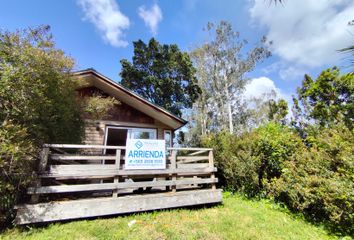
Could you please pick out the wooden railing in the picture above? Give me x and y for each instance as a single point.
(66, 168)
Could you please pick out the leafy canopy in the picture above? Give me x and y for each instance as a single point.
(329, 99)
(162, 74)
(36, 88)
(222, 64)
(278, 110)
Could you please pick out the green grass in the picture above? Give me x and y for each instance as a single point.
(237, 218)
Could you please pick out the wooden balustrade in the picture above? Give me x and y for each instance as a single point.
(71, 169)
(188, 171)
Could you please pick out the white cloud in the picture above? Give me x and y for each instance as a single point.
(292, 73)
(260, 86)
(107, 18)
(306, 32)
(151, 17)
(286, 71)
(264, 88)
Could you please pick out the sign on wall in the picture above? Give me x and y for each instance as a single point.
(145, 154)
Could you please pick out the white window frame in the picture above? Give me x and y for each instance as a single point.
(130, 131)
(129, 134)
(171, 138)
(150, 130)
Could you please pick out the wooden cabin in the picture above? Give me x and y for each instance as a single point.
(134, 117)
(92, 179)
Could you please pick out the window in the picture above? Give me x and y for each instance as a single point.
(168, 138)
(142, 133)
(117, 136)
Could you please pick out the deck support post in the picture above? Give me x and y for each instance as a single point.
(116, 178)
(43, 161)
(196, 184)
(173, 167)
(211, 164)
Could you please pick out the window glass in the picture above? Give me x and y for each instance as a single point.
(142, 133)
(168, 138)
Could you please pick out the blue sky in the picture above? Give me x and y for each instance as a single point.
(99, 33)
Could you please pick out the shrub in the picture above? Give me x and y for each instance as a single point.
(319, 181)
(36, 87)
(37, 105)
(274, 145)
(316, 178)
(249, 162)
(237, 167)
(17, 157)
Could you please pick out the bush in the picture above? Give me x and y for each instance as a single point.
(237, 167)
(36, 87)
(319, 181)
(316, 178)
(17, 157)
(37, 105)
(249, 162)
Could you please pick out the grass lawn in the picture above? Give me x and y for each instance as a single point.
(237, 218)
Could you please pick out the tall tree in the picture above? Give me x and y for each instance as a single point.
(162, 74)
(329, 99)
(222, 64)
(278, 110)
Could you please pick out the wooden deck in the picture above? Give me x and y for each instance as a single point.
(76, 182)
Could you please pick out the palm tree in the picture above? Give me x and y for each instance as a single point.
(350, 49)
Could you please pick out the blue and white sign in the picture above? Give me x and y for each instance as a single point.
(145, 154)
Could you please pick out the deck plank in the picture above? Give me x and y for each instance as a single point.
(98, 171)
(56, 211)
(114, 186)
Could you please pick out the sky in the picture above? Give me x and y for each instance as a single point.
(306, 34)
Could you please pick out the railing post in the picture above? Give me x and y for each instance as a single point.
(211, 165)
(116, 178)
(174, 167)
(43, 161)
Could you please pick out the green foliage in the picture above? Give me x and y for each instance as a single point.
(249, 162)
(330, 98)
(162, 74)
(273, 146)
(36, 88)
(237, 166)
(222, 64)
(17, 154)
(278, 110)
(37, 105)
(319, 181)
(315, 179)
(98, 106)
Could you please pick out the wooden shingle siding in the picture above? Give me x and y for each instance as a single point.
(125, 113)
(160, 129)
(93, 136)
(96, 136)
(120, 112)
(121, 115)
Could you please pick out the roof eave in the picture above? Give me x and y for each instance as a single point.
(129, 92)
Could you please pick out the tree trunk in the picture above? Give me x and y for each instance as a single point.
(231, 126)
(229, 111)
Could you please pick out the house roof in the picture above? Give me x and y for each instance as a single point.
(115, 89)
